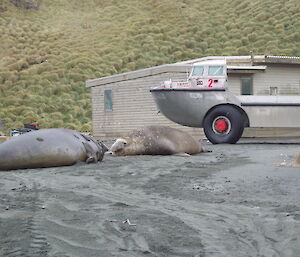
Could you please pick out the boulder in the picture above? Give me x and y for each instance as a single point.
(26, 4)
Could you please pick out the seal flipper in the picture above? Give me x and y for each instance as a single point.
(91, 159)
(182, 154)
(86, 137)
(103, 146)
(90, 153)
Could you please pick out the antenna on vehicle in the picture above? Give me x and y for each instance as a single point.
(251, 57)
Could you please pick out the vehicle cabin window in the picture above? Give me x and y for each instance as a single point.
(198, 71)
(108, 104)
(215, 70)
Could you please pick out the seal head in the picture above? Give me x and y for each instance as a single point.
(125, 146)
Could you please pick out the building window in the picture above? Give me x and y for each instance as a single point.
(108, 104)
(246, 86)
(273, 90)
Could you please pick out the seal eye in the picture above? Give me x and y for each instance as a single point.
(39, 139)
(124, 143)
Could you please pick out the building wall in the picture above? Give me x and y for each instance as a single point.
(285, 77)
(234, 83)
(133, 107)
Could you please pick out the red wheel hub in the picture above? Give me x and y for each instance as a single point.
(221, 125)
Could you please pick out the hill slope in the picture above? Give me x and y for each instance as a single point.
(47, 54)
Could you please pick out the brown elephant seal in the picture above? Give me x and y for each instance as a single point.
(297, 162)
(49, 148)
(4, 138)
(156, 140)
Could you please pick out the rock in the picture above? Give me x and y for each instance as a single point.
(3, 8)
(26, 4)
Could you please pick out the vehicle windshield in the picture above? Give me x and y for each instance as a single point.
(215, 70)
(198, 71)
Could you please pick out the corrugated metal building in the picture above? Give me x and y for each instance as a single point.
(123, 102)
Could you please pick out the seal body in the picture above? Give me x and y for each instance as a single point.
(296, 163)
(155, 140)
(49, 148)
(4, 138)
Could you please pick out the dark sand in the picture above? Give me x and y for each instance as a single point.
(232, 202)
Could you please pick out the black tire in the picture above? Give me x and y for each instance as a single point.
(224, 124)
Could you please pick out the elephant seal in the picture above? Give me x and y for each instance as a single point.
(49, 148)
(297, 162)
(156, 140)
(4, 138)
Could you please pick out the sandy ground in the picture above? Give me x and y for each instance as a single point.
(232, 202)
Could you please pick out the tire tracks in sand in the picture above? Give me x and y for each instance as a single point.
(21, 230)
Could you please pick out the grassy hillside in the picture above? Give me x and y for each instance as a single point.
(47, 54)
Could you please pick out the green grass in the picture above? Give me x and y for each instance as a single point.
(46, 55)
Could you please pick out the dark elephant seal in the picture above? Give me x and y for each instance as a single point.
(49, 148)
(156, 140)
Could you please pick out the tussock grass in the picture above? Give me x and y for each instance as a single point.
(47, 54)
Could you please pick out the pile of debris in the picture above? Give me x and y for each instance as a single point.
(27, 128)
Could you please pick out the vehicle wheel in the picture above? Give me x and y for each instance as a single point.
(224, 124)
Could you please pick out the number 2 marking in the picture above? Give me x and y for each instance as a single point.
(210, 82)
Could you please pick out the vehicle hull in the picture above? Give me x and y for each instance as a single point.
(188, 107)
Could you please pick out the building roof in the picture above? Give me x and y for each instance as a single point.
(235, 63)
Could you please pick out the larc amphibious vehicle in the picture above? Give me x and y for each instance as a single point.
(203, 101)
